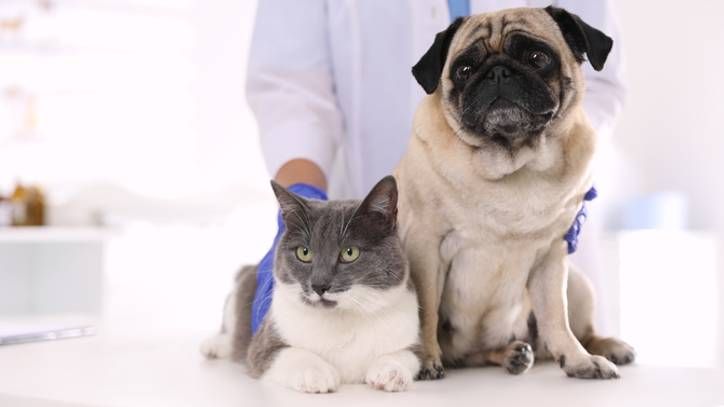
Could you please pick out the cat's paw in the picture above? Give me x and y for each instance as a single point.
(316, 378)
(216, 347)
(519, 358)
(303, 371)
(389, 376)
(589, 367)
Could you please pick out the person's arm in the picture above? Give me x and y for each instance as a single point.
(303, 171)
(291, 92)
(605, 89)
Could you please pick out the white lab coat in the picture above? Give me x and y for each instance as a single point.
(330, 81)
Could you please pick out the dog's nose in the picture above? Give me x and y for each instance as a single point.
(498, 74)
(320, 289)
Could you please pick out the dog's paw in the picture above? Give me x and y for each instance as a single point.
(389, 376)
(519, 358)
(431, 369)
(216, 347)
(589, 367)
(316, 378)
(615, 350)
(622, 354)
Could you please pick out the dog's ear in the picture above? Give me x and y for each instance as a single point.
(582, 38)
(428, 69)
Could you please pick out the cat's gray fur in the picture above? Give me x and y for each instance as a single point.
(326, 228)
(246, 283)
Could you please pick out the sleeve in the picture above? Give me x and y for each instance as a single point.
(605, 90)
(289, 84)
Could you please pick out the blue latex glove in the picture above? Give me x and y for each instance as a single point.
(265, 274)
(571, 237)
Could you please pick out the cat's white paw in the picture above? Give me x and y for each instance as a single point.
(216, 347)
(316, 378)
(389, 376)
(303, 371)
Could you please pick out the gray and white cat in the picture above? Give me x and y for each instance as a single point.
(343, 310)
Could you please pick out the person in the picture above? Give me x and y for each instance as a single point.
(330, 86)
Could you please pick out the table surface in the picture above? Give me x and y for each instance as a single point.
(168, 371)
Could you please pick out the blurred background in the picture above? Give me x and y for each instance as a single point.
(124, 131)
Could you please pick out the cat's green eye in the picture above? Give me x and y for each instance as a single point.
(349, 254)
(304, 254)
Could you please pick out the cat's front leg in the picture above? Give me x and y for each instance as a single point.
(393, 371)
(303, 371)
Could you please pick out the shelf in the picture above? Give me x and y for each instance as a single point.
(53, 234)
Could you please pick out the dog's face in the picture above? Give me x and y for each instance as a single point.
(507, 77)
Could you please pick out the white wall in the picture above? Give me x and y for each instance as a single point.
(90, 109)
(671, 128)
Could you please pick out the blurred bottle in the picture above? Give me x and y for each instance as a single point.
(17, 200)
(28, 206)
(6, 212)
(35, 209)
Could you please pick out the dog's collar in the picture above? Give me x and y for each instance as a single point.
(571, 237)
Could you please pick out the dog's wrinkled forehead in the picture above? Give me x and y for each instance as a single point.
(561, 31)
(490, 30)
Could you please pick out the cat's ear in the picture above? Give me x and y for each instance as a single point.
(291, 205)
(381, 202)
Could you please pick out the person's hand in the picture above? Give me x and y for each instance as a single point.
(265, 276)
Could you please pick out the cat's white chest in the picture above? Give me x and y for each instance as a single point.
(351, 342)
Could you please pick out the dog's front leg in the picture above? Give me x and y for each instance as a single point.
(547, 288)
(428, 275)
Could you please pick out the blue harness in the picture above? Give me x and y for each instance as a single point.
(571, 237)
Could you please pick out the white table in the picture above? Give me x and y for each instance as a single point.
(168, 371)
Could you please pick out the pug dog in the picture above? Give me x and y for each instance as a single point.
(496, 170)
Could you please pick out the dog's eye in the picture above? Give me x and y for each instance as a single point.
(463, 72)
(539, 59)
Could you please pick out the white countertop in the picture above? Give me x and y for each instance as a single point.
(164, 290)
(164, 371)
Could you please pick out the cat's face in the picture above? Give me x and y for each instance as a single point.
(340, 254)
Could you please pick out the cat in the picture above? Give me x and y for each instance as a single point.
(343, 308)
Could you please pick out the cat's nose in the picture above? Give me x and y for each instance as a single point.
(320, 289)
